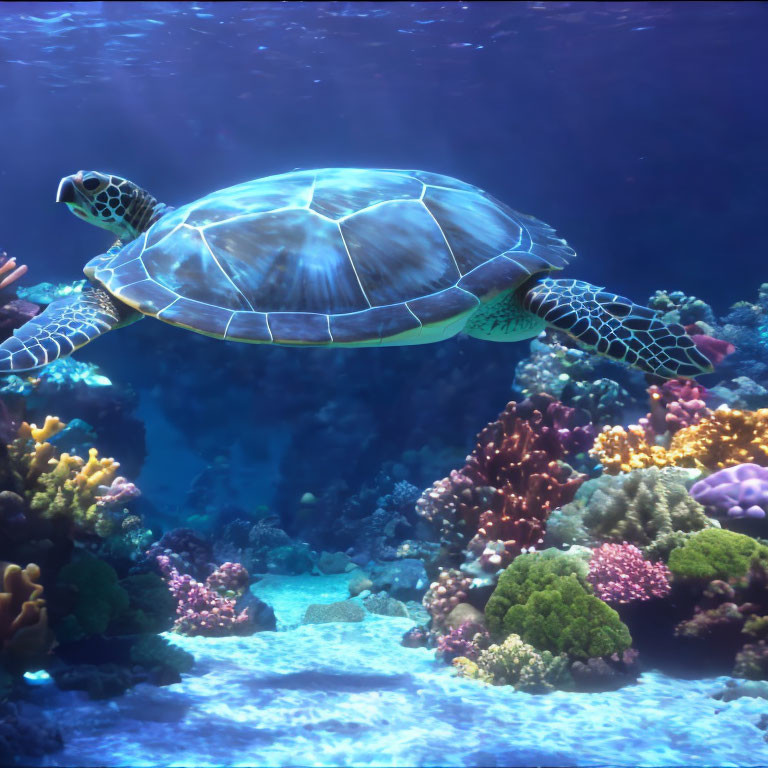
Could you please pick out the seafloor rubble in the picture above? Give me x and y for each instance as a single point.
(605, 536)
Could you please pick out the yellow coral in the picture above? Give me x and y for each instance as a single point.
(621, 450)
(728, 437)
(66, 486)
(724, 439)
(53, 425)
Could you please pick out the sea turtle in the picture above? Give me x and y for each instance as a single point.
(337, 257)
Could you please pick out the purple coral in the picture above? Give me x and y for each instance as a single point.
(620, 574)
(201, 609)
(119, 492)
(740, 491)
(466, 640)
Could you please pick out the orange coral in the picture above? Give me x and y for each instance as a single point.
(622, 450)
(24, 632)
(726, 438)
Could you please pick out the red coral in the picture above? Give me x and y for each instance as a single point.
(511, 481)
(620, 574)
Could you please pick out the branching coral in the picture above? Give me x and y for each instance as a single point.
(620, 574)
(510, 483)
(516, 663)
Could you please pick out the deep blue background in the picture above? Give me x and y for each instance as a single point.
(638, 130)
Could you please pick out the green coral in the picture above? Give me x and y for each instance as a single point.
(98, 599)
(516, 663)
(546, 600)
(152, 607)
(716, 554)
(650, 508)
(155, 651)
(528, 574)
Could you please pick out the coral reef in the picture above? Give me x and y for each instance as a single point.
(740, 491)
(450, 589)
(24, 633)
(619, 573)
(467, 640)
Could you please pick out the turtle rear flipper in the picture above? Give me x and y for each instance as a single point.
(615, 327)
(64, 326)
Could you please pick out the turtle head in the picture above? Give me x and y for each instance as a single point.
(109, 202)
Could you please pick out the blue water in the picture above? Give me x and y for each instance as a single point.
(638, 130)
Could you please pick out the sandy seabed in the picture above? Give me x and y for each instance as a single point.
(350, 694)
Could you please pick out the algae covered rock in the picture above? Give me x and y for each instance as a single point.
(334, 562)
(384, 605)
(345, 610)
(716, 554)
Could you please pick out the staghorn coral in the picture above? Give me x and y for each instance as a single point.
(649, 508)
(620, 574)
(24, 633)
(497, 505)
(518, 664)
(725, 438)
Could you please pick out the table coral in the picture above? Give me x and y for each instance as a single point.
(620, 574)
(740, 491)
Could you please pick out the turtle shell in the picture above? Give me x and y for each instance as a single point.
(331, 257)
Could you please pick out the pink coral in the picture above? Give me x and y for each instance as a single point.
(201, 609)
(676, 404)
(620, 574)
(119, 492)
(229, 579)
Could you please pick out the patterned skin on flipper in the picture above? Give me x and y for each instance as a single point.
(64, 326)
(615, 327)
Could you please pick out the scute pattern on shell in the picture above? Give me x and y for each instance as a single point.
(334, 256)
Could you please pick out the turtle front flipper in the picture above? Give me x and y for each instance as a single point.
(64, 326)
(615, 327)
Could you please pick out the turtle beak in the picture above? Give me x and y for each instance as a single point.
(67, 192)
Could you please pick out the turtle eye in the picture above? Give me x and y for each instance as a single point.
(91, 183)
